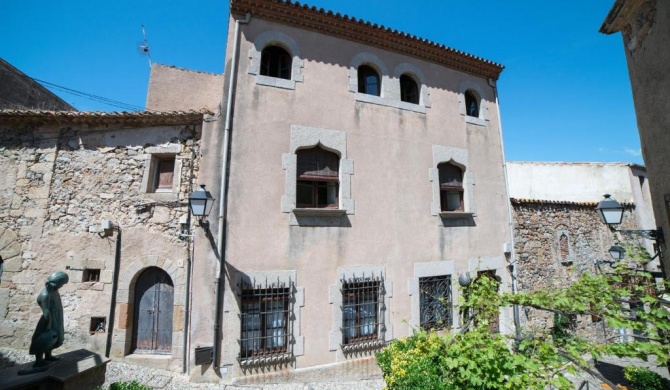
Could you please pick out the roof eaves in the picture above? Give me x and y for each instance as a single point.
(357, 30)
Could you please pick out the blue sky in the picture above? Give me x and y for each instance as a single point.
(564, 94)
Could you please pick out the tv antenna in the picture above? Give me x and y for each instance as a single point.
(143, 47)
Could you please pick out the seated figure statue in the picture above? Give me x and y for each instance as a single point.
(49, 331)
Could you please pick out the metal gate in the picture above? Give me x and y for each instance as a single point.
(154, 298)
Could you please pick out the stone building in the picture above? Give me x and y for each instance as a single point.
(103, 197)
(645, 29)
(19, 91)
(359, 171)
(557, 233)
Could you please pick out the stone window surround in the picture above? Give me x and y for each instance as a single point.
(559, 233)
(427, 269)
(277, 38)
(127, 278)
(390, 87)
(459, 158)
(153, 154)
(468, 85)
(235, 326)
(303, 137)
(335, 299)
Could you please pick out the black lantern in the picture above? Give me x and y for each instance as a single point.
(617, 252)
(200, 202)
(610, 211)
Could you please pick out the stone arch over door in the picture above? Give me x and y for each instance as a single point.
(129, 276)
(152, 314)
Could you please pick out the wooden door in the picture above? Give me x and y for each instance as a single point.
(154, 298)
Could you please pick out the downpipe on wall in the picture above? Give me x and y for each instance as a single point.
(510, 217)
(115, 287)
(220, 265)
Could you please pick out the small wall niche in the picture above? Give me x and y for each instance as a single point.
(97, 325)
(91, 275)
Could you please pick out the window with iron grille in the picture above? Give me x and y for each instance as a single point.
(265, 327)
(362, 306)
(435, 302)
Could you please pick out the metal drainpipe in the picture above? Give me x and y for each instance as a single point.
(115, 287)
(187, 305)
(510, 218)
(222, 192)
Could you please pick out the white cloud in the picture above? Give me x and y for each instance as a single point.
(632, 152)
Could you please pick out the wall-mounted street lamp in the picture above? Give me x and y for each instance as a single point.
(611, 213)
(200, 203)
(617, 252)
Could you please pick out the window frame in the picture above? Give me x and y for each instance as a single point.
(358, 293)
(473, 88)
(153, 155)
(316, 182)
(285, 42)
(406, 80)
(251, 295)
(447, 308)
(458, 157)
(368, 71)
(157, 160)
(272, 56)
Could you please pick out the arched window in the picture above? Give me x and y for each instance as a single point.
(409, 91)
(317, 178)
(276, 62)
(368, 81)
(564, 248)
(451, 187)
(471, 104)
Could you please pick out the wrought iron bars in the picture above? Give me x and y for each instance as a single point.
(362, 311)
(435, 302)
(266, 329)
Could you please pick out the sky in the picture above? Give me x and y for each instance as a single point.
(564, 94)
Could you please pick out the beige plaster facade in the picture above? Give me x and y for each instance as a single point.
(63, 175)
(387, 224)
(176, 89)
(645, 29)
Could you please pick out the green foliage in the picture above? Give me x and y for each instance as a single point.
(643, 379)
(480, 359)
(134, 385)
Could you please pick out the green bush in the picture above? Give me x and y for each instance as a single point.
(643, 379)
(134, 385)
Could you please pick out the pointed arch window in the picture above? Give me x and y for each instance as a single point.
(409, 90)
(368, 81)
(276, 62)
(451, 187)
(317, 178)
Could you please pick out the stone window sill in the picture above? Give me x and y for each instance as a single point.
(311, 212)
(362, 97)
(363, 346)
(275, 82)
(456, 214)
(475, 121)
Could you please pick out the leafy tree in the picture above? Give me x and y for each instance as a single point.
(479, 359)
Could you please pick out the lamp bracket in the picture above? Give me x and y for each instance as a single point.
(654, 235)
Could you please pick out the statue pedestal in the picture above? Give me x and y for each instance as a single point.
(76, 370)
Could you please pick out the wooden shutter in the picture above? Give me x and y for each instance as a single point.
(165, 174)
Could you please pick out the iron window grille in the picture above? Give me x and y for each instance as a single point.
(266, 330)
(362, 313)
(435, 302)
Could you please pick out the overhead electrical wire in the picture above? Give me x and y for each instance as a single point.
(85, 95)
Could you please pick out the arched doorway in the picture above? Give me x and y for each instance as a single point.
(152, 320)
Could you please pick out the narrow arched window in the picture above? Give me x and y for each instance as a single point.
(368, 81)
(317, 178)
(276, 62)
(471, 104)
(563, 247)
(409, 91)
(451, 187)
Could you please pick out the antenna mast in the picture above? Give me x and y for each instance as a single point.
(144, 46)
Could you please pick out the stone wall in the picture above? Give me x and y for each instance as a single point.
(542, 229)
(57, 185)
